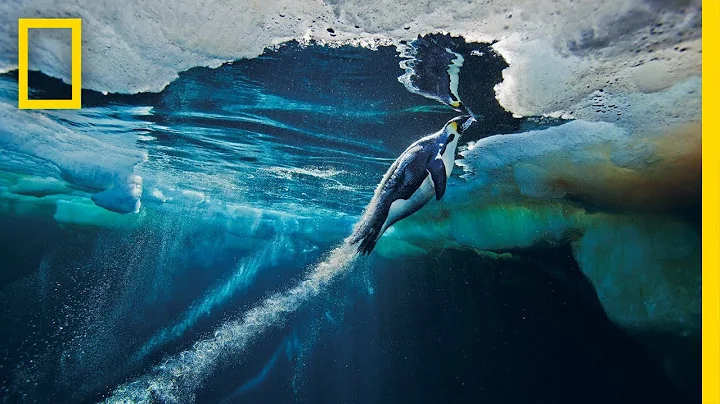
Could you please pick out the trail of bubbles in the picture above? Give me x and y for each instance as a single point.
(245, 273)
(177, 378)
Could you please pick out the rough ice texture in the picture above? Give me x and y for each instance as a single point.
(560, 51)
(123, 197)
(618, 165)
(542, 80)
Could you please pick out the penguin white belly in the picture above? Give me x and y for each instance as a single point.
(402, 208)
(449, 157)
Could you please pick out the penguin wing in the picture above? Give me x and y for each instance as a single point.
(398, 183)
(436, 168)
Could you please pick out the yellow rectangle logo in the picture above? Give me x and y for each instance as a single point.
(75, 25)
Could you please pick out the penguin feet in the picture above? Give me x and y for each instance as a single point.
(367, 235)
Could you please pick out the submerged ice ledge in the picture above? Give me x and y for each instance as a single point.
(245, 227)
(35, 144)
(610, 193)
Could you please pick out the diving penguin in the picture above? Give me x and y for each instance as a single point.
(420, 172)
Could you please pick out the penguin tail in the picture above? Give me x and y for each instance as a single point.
(367, 234)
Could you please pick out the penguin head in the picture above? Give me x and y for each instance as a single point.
(458, 125)
(451, 132)
(457, 105)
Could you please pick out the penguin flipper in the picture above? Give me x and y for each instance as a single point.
(436, 168)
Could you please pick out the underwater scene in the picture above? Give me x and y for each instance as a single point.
(346, 201)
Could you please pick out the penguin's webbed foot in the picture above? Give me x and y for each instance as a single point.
(367, 236)
(366, 246)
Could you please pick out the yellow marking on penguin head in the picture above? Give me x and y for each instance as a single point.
(453, 126)
(455, 103)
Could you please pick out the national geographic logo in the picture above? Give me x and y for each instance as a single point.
(24, 25)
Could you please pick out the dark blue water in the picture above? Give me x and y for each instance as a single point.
(454, 328)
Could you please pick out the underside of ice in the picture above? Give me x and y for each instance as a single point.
(556, 48)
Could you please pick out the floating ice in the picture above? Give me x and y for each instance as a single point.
(84, 213)
(543, 186)
(38, 186)
(81, 160)
(193, 197)
(157, 195)
(123, 197)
